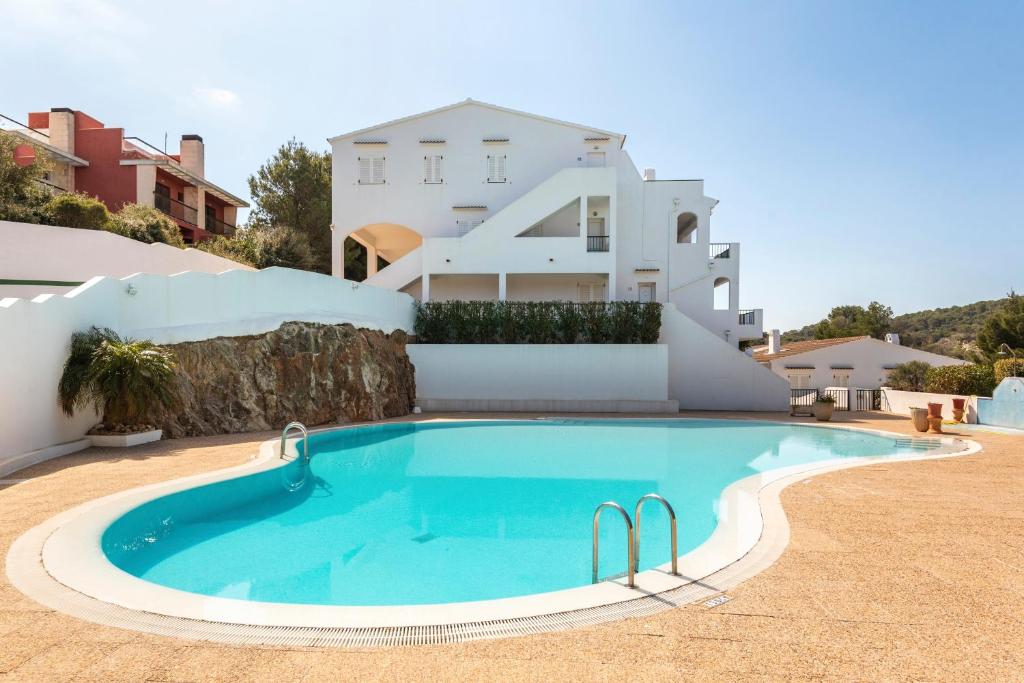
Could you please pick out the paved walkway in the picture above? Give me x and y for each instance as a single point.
(897, 571)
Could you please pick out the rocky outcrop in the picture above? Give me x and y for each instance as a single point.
(314, 373)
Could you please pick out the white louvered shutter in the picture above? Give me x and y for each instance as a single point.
(432, 169)
(365, 170)
(378, 170)
(497, 165)
(467, 224)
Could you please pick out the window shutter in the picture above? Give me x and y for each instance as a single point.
(365, 171)
(465, 225)
(432, 169)
(378, 170)
(496, 165)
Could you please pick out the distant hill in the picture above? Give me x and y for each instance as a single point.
(949, 331)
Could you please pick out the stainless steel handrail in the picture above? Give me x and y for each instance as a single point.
(630, 542)
(672, 524)
(305, 438)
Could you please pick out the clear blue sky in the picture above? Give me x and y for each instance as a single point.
(860, 150)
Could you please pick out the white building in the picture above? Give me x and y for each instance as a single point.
(476, 201)
(850, 362)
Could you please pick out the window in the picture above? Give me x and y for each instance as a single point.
(371, 170)
(686, 228)
(841, 378)
(799, 380)
(497, 165)
(467, 224)
(646, 291)
(722, 294)
(432, 169)
(595, 159)
(588, 293)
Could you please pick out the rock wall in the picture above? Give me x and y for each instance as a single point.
(317, 374)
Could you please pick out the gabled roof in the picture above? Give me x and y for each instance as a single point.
(797, 347)
(469, 101)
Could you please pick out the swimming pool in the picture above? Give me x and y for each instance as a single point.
(449, 512)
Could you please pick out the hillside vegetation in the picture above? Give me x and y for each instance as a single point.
(951, 331)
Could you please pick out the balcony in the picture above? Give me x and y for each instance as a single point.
(747, 317)
(219, 227)
(719, 250)
(751, 323)
(175, 209)
(598, 242)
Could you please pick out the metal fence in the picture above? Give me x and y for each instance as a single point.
(806, 397)
(869, 399)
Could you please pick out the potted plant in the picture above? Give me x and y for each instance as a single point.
(958, 409)
(920, 418)
(126, 380)
(823, 407)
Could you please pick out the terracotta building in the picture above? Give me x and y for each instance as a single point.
(102, 162)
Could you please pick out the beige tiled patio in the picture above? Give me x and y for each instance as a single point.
(897, 571)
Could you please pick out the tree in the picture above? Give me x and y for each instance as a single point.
(263, 248)
(78, 210)
(1004, 326)
(146, 224)
(293, 189)
(21, 196)
(853, 321)
(909, 376)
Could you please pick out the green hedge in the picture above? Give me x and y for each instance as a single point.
(537, 322)
(1008, 367)
(965, 380)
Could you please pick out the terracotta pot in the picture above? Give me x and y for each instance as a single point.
(958, 414)
(934, 410)
(935, 424)
(958, 404)
(823, 411)
(920, 418)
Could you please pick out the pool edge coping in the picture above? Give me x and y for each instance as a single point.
(759, 536)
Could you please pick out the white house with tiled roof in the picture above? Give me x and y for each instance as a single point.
(477, 201)
(861, 362)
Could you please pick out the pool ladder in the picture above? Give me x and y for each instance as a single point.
(633, 536)
(305, 438)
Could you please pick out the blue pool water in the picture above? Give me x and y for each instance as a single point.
(448, 512)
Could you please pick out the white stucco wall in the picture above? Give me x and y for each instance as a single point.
(563, 376)
(46, 252)
(868, 358)
(34, 335)
(708, 373)
(900, 403)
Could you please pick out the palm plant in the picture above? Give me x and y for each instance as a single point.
(127, 379)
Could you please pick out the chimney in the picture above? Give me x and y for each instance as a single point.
(648, 174)
(774, 341)
(892, 338)
(62, 129)
(193, 154)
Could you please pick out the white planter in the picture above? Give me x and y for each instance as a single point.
(124, 440)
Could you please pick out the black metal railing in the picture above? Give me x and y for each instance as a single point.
(806, 397)
(869, 399)
(719, 250)
(598, 242)
(219, 227)
(175, 209)
(802, 397)
(747, 317)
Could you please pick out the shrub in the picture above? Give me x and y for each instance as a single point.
(77, 210)
(908, 376)
(146, 224)
(1008, 367)
(127, 379)
(264, 248)
(537, 322)
(965, 380)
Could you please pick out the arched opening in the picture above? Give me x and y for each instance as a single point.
(686, 228)
(373, 247)
(722, 293)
